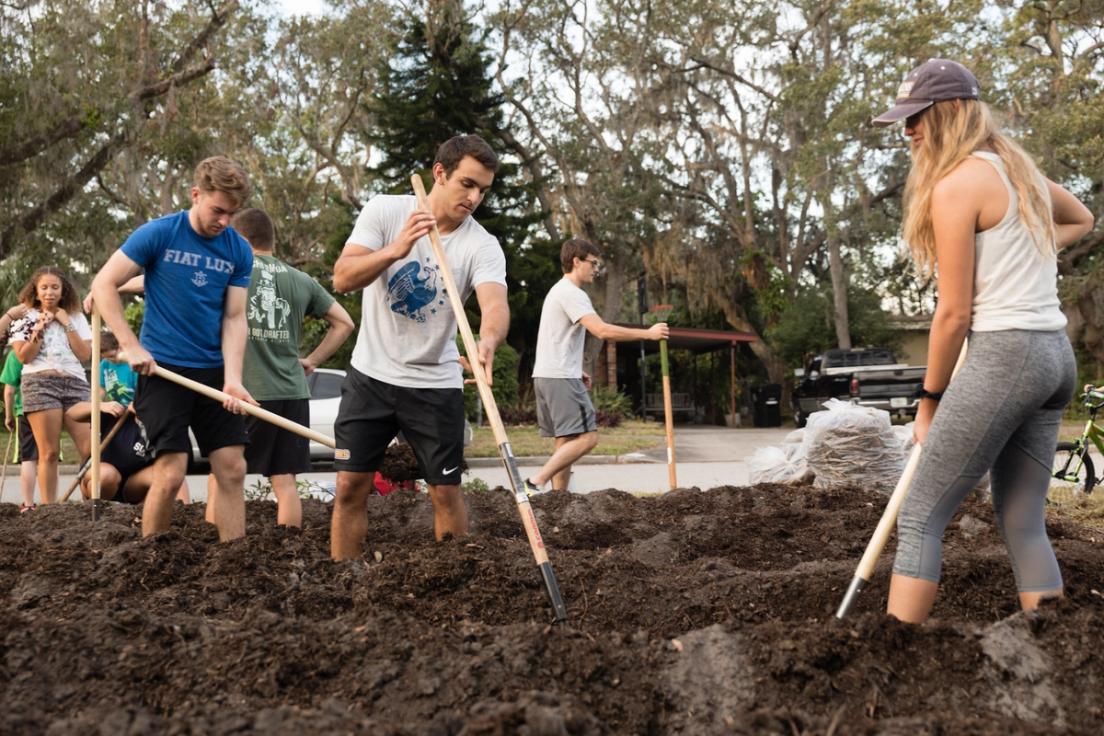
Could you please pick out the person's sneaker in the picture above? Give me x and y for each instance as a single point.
(531, 489)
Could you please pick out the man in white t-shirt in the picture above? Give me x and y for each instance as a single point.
(405, 373)
(564, 410)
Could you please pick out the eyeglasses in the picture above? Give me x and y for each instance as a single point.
(912, 120)
(594, 262)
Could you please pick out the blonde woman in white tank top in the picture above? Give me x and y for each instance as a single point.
(989, 225)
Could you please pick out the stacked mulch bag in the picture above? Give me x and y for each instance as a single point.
(845, 445)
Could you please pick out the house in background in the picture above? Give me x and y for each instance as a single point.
(914, 343)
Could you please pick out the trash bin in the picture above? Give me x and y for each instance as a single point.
(768, 405)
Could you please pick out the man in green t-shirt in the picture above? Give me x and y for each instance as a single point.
(279, 298)
(15, 420)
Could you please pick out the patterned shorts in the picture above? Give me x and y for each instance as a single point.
(51, 390)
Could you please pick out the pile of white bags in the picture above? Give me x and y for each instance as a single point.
(850, 445)
(845, 445)
(784, 464)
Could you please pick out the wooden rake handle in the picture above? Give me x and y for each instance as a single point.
(525, 509)
(263, 414)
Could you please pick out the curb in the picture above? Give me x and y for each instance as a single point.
(631, 458)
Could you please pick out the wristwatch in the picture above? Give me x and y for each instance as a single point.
(923, 393)
(70, 327)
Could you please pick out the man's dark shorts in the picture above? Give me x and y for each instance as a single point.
(167, 409)
(372, 412)
(563, 407)
(28, 448)
(275, 451)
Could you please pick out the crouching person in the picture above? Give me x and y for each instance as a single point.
(126, 464)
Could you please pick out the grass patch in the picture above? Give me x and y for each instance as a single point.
(69, 455)
(1071, 429)
(1086, 509)
(525, 440)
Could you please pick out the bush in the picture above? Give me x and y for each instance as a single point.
(134, 313)
(611, 406)
(522, 413)
(505, 387)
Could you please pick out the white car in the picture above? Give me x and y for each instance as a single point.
(325, 397)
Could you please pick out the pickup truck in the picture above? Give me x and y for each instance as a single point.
(865, 376)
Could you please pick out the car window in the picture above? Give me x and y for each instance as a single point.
(326, 385)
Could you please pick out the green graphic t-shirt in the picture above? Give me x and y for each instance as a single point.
(279, 297)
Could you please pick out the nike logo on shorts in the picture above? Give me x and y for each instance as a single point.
(449, 471)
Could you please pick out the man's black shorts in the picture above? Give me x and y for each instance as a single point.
(28, 448)
(274, 451)
(372, 412)
(168, 409)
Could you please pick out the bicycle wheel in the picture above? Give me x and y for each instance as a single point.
(1073, 469)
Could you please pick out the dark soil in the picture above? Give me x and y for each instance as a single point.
(690, 613)
(399, 463)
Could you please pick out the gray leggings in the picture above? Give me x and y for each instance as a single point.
(1001, 413)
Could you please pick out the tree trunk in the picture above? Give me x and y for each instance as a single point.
(608, 308)
(839, 290)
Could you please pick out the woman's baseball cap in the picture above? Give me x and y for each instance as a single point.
(933, 81)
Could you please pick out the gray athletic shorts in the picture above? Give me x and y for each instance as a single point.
(563, 407)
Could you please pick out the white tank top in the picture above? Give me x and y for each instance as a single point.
(1015, 285)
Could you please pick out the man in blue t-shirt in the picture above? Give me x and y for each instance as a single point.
(197, 273)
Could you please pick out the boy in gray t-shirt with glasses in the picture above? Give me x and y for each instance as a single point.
(564, 410)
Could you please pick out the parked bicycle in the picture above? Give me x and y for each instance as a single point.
(1072, 462)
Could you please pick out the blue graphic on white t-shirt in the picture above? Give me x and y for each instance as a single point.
(411, 289)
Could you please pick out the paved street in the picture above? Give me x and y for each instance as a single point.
(707, 457)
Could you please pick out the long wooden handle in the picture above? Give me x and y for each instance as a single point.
(4, 466)
(97, 335)
(668, 418)
(528, 519)
(95, 449)
(264, 415)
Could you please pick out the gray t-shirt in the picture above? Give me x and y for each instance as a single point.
(561, 336)
(407, 331)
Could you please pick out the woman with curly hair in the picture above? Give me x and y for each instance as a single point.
(983, 218)
(52, 340)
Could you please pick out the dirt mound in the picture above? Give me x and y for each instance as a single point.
(690, 613)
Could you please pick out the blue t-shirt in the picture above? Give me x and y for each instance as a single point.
(118, 381)
(187, 276)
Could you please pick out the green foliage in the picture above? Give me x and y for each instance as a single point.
(259, 491)
(475, 485)
(435, 85)
(723, 181)
(611, 406)
(505, 387)
(805, 326)
(134, 313)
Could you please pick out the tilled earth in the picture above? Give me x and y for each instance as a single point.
(690, 613)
